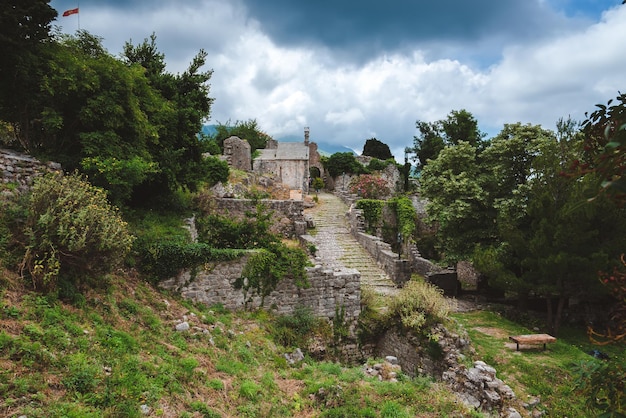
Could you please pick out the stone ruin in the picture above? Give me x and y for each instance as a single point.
(237, 153)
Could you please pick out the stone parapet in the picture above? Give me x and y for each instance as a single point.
(397, 269)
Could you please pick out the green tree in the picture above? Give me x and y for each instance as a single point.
(183, 105)
(453, 185)
(248, 130)
(377, 149)
(428, 144)
(342, 162)
(95, 116)
(24, 41)
(459, 125)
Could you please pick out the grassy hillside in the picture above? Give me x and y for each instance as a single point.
(115, 352)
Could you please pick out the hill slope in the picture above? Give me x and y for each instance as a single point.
(116, 352)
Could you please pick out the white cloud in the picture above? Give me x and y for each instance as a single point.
(287, 88)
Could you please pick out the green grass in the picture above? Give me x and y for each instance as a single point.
(117, 350)
(549, 375)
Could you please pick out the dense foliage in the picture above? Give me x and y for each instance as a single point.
(125, 122)
(377, 149)
(372, 213)
(605, 148)
(247, 130)
(72, 232)
(369, 186)
(25, 40)
(507, 206)
(435, 136)
(342, 163)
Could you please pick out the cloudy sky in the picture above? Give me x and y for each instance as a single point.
(353, 70)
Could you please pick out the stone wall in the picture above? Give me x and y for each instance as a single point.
(21, 169)
(328, 290)
(399, 270)
(237, 153)
(443, 358)
(288, 216)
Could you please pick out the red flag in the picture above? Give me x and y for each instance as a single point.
(70, 12)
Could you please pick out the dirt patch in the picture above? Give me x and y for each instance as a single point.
(494, 332)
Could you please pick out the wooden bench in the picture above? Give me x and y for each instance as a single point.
(532, 339)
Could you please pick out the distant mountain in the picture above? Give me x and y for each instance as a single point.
(208, 129)
(324, 148)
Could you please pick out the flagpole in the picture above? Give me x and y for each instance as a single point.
(78, 6)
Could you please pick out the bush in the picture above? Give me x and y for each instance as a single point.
(418, 305)
(294, 330)
(342, 163)
(162, 259)
(369, 186)
(71, 231)
(603, 385)
(268, 266)
(372, 212)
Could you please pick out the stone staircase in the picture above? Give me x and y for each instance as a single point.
(337, 248)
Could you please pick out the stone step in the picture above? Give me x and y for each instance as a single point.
(336, 247)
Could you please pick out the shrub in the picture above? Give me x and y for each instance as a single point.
(162, 259)
(369, 186)
(379, 165)
(216, 170)
(603, 385)
(294, 330)
(72, 231)
(268, 266)
(372, 212)
(317, 184)
(418, 305)
(407, 216)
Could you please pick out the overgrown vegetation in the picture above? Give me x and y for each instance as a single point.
(419, 305)
(119, 353)
(72, 231)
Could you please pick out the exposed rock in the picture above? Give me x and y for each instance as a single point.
(183, 326)
(295, 357)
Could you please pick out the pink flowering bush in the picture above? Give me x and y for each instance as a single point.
(369, 186)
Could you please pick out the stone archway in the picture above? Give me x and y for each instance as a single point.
(315, 172)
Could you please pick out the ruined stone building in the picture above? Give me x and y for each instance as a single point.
(289, 163)
(237, 153)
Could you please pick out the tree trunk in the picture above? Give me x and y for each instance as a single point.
(555, 317)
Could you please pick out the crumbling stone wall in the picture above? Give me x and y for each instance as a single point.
(288, 216)
(398, 269)
(237, 152)
(21, 169)
(443, 358)
(328, 290)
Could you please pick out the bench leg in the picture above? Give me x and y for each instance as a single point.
(517, 346)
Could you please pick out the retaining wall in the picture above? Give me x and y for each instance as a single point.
(287, 219)
(328, 290)
(21, 169)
